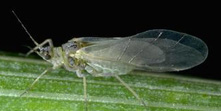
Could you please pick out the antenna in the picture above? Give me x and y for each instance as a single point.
(25, 29)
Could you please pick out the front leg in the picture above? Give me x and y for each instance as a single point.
(49, 41)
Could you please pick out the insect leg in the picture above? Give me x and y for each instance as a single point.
(130, 89)
(40, 45)
(29, 88)
(85, 92)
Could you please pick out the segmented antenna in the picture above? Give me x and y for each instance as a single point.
(25, 28)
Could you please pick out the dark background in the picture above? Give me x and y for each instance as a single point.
(63, 22)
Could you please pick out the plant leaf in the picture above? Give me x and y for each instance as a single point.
(61, 90)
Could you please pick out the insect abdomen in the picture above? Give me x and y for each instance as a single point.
(108, 68)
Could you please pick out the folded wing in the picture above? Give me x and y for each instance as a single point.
(155, 50)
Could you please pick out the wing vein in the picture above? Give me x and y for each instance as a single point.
(125, 48)
(159, 35)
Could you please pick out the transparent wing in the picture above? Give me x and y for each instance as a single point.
(155, 50)
(95, 40)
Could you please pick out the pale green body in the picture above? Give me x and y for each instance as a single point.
(87, 64)
(98, 67)
(155, 50)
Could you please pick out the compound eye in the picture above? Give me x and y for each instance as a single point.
(45, 53)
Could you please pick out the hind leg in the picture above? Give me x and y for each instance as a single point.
(85, 93)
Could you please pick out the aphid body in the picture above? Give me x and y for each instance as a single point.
(158, 50)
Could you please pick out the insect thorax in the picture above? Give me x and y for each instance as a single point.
(70, 62)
